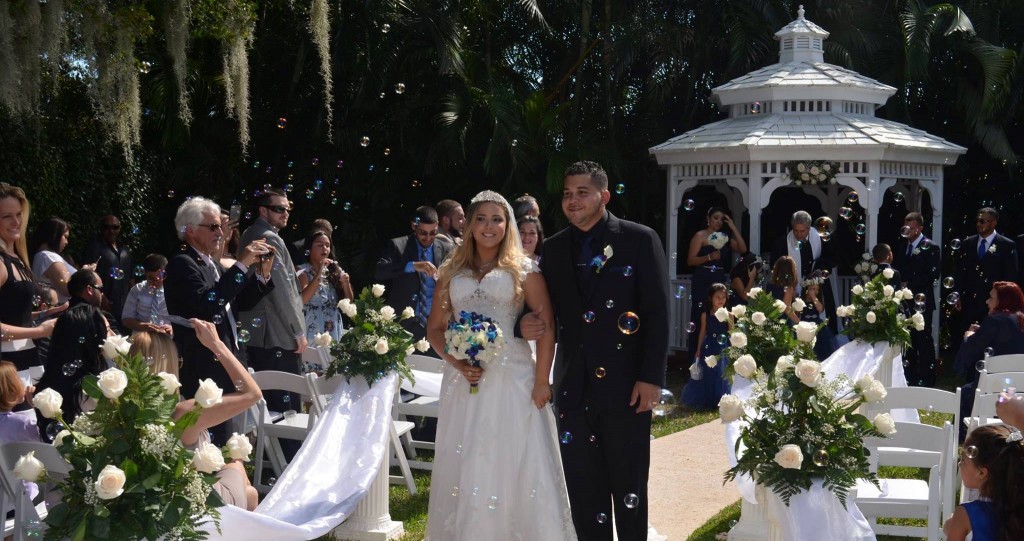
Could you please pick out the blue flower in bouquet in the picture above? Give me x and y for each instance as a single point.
(475, 338)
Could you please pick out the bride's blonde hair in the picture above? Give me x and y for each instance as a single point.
(510, 251)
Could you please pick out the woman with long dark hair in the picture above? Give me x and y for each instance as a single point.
(48, 262)
(743, 278)
(322, 283)
(710, 255)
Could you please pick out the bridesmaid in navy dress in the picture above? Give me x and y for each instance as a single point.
(704, 393)
(782, 286)
(711, 265)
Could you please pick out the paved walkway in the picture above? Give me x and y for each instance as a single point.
(685, 486)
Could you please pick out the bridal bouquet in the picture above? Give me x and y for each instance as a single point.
(377, 344)
(760, 332)
(876, 315)
(475, 338)
(130, 476)
(717, 240)
(800, 426)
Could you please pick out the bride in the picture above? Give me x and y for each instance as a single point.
(497, 472)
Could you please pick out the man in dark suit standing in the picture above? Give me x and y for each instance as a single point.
(987, 257)
(407, 266)
(916, 257)
(811, 252)
(608, 280)
(197, 287)
(881, 255)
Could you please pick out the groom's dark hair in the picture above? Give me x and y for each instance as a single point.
(597, 175)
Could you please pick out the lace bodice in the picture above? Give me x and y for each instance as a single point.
(493, 296)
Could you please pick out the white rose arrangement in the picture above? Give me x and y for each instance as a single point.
(208, 394)
(29, 468)
(387, 313)
(378, 290)
(888, 273)
(722, 315)
(739, 310)
(115, 346)
(239, 448)
(799, 305)
(711, 361)
(789, 456)
(322, 339)
(48, 402)
(347, 307)
(805, 331)
(745, 366)
(169, 383)
(813, 172)
(207, 458)
(876, 313)
(112, 383)
(110, 482)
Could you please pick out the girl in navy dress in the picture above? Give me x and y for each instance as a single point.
(992, 461)
(782, 286)
(814, 312)
(707, 384)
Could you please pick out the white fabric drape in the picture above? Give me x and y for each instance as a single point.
(427, 384)
(328, 476)
(817, 515)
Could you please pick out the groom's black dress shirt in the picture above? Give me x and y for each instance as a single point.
(585, 246)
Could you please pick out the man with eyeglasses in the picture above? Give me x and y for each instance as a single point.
(276, 325)
(407, 267)
(114, 263)
(986, 258)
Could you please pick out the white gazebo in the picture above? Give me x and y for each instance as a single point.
(798, 109)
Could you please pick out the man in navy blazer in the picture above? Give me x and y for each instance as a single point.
(917, 259)
(986, 258)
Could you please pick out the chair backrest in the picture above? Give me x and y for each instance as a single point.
(320, 389)
(1005, 363)
(984, 406)
(915, 436)
(273, 380)
(10, 453)
(994, 382)
(425, 363)
(923, 398)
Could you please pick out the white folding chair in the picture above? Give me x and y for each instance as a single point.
(421, 406)
(271, 427)
(995, 382)
(321, 390)
(907, 498)
(1004, 363)
(24, 511)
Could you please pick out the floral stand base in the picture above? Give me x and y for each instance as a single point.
(815, 515)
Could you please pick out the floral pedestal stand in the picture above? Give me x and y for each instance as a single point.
(754, 523)
(371, 520)
(883, 375)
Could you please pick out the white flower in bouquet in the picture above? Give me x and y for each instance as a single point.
(822, 177)
(870, 317)
(805, 331)
(322, 339)
(408, 312)
(738, 340)
(711, 361)
(888, 290)
(29, 468)
(730, 408)
(745, 366)
(422, 346)
(814, 170)
(722, 315)
(758, 318)
(888, 273)
(608, 252)
(347, 307)
(799, 304)
(717, 240)
(48, 402)
(115, 346)
(809, 372)
(387, 313)
(239, 447)
(907, 294)
(872, 389)
(59, 438)
(789, 456)
(860, 267)
(381, 346)
(208, 394)
(207, 458)
(784, 363)
(739, 311)
(410, 350)
(885, 424)
(110, 482)
(754, 291)
(866, 256)
(826, 167)
(800, 167)
(918, 321)
(857, 289)
(897, 296)
(841, 311)
(112, 382)
(378, 290)
(169, 382)
(779, 305)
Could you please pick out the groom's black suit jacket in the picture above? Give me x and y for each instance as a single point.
(596, 364)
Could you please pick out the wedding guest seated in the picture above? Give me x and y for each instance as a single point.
(782, 285)
(743, 277)
(16, 426)
(532, 234)
(232, 484)
(1002, 330)
(145, 308)
(990, 461)
(75, 351)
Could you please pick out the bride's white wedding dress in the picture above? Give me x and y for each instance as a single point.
(497, 470)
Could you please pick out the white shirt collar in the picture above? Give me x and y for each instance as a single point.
(914, 244)
(988, 239)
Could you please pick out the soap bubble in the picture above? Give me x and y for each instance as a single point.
(852, 198)
(954, 244)
(689, 204)
(820, 458)
(588, 316)
(666, 404)
(620, 188)
(602, 518)
(860, 229)
(600, 372)
(948, 282)
(116, 273)
(627, 270)
(898, 197)
(243, 337)
(845, 213)
(609, 303)
(139, 271)
(629, 323)
(680, 291)
(905, 231)
(631, 501)
(566, 438)
(953, 297)
(400, 88)
(364, 141)
(282, 123)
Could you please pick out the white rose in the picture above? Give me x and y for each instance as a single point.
(857, 289)
(408, 312)
(784, 363)
(738, 340)
(322, 339)
(110, 482)
(826, 167)
(410, 350)
(918, 321)
(711, 361)
(805, 331)
(59, 438)
(866, 256)
(801, 167)
(208, 394)
(608, 252)
(814, 170)
(841, 311)
(908, 294)
(898, 295)
(859, 267)
(822, 176)
(809, 372)
(387, 313)
(381, 347)
(888, 290)
(207, 458)
(378, 290)
(29, 468)
(115, 346)
(239, 447)
(885, 424)
(722, 315)
(745, 366)
(112, 382)
(739, 310)
(870, 317)
(779, 305)
(758, 318)
(754, 291)
(789, 456)
(871, 388)
(347, 307)
(422, 346)
(48, 402)
(169, 382)
(888, 273)
(805, 176)
(799, 305)
(730, 408)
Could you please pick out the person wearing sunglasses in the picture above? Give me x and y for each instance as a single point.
(986, 258)
(114, 262)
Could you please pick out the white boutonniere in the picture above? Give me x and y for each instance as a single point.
(916, 251)
(992, 249)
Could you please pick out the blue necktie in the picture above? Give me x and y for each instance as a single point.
(981, 248)
(421, 299)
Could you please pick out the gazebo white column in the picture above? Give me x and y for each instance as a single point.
(672, 217)
(754, 206)
(873, 203)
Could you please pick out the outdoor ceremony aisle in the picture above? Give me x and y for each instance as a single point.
(685, 485)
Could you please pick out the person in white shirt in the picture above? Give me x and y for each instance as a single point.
(145, 308)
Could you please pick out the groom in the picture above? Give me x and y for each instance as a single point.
(608, 280)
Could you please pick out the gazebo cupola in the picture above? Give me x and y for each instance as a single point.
(800, 41)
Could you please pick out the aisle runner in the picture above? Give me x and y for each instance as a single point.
(329, 475)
